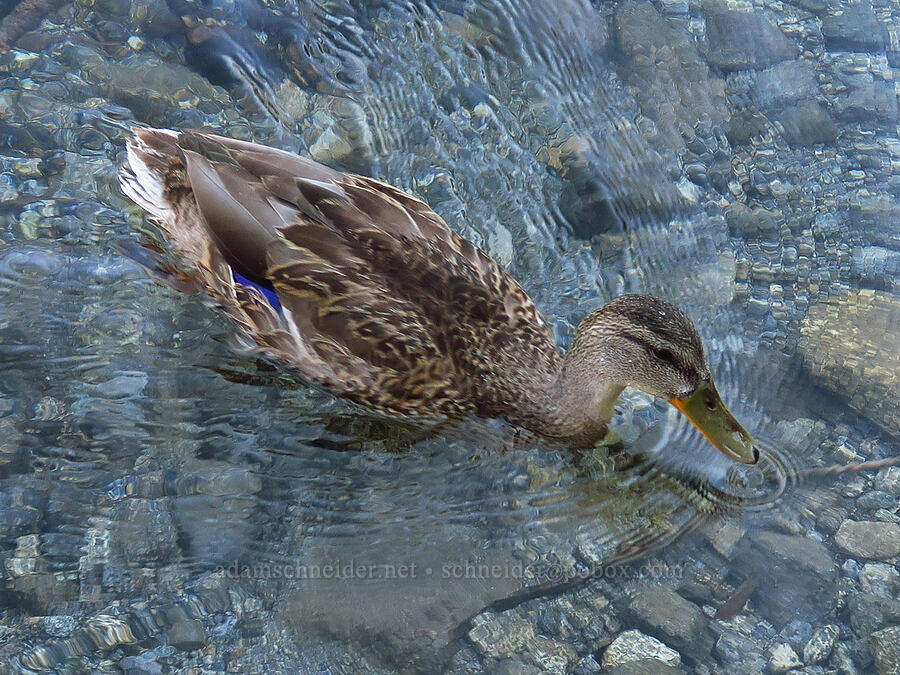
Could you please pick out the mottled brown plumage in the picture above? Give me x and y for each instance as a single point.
(382, 303)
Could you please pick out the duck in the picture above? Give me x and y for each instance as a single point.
(361, 288)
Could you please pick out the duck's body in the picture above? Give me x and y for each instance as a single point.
(365, 290)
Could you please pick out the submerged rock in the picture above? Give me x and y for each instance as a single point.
(743, 38)
(782, 658)
(795, 574)
(632, 645)
(820, 644)
(661, 612)
(869, 539)
(849, 346)
(885, 645)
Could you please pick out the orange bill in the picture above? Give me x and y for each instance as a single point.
(705, 410)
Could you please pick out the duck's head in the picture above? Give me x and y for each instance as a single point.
(647, 343)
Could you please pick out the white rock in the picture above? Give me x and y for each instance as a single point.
(782, 659)
(632, 645)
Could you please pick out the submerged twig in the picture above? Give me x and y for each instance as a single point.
(25, 16)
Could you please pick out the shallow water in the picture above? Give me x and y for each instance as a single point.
(170, 501)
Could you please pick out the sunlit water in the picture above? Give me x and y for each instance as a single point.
(153, 472)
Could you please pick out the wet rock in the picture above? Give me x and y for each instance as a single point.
(888, 480)
(854, 28)
(869, 613)
(878, 266)
(187, 635)
(633, 645)
(879, 579)
(885, 645)
(659, 611)
(876, 499)
(58, 626)
(807, 123)
(144, 531)
(784, 83)
(819, 647)
(501, 634)
(849, 346)
(645, 667)
(797, 633)
(751, 223)
(672, 84)
(798, 572)
(866, 99)
(587, 666)
(869, 539)
(782, 658)
(736, 650)
(743, 38)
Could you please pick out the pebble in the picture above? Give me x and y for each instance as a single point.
(869, 539)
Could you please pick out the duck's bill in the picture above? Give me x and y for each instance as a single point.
(705, 410)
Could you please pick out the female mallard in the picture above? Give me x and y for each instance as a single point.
(365, 290)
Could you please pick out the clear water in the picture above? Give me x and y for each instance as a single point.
(163, 491)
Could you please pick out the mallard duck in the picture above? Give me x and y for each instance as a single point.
(364, 290)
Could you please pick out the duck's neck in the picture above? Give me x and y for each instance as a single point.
(584, 400)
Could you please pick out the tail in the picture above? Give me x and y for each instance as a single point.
(150, 152)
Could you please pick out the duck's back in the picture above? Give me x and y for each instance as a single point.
(356, 284)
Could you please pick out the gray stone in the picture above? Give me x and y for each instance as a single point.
(784, 83)
(187, 635)
(849, 345)
(819, 647)
(645, 667)
(869, 539)
(798, 572)
(869, 613)
(885, 645)
(735, 649)
(889, 480)
(782, 658)
(797, 633)
(659, 611)
(867, 100)
(855, 28)
(587, 666)
(632, 645)
(58, 626)
(876, 499)
(742, 38)
(879, 579)
(746, 222)
(807, 123)
(672, 84)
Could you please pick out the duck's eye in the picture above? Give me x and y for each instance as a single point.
(664, 354)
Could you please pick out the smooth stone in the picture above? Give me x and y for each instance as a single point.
(741, 39)
(869, 539)
(801, 569)
(659, 611)
(632, 645)
(855, 28)
(885, 646)
(187, 635)
(869, 613)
